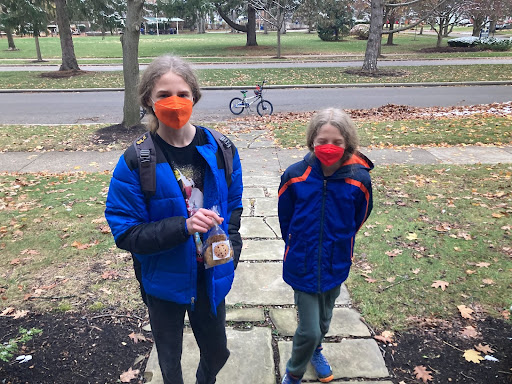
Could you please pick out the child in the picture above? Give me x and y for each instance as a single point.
(323, 201)
(162, 232)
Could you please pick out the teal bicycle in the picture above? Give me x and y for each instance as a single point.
(264, 107)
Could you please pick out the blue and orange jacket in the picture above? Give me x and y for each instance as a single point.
(155, 231)
(319, 218)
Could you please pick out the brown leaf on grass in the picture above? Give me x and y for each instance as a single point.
(416, 271)
(470, 271)
(505, 314)
(29, 252)
(488, 281)
(484, 349)
(470, 331)
(110, 274)
(129, 375)
(473, 356)
(465, 312)
(136, 337)
(440, 284)
(482, 264)
(422, 373)
(105, 229)
(394, 252)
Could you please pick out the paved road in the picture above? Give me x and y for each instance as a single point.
(286, 64)
(107, 107)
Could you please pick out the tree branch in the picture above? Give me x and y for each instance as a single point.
(406, 27)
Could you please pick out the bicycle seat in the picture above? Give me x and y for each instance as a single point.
(243, 91)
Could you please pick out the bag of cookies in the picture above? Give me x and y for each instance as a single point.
(217, 247)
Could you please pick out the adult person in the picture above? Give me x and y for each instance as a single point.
(164, 232)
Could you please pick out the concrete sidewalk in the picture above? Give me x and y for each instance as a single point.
(261, 317)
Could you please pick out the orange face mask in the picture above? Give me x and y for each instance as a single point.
(173, 111)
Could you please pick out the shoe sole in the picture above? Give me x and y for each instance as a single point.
(326, 379)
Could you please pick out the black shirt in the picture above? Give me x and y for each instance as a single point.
(189, 167)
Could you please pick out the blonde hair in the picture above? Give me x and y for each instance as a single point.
(159, 67)
(338, 119)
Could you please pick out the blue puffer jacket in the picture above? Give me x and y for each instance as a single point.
(319, 218)
(155, 231)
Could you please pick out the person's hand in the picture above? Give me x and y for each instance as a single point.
(202, 221)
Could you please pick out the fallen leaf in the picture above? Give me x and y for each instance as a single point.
(385, 337)
(484, 348)
(7, 311)
(470, 331)
(394, 252)
(129, 375)
(440, 284)
(416, 271)
(412, 236)
(422, 373)
(136, 337)
(19, 314)
(488, 281)
(465, 312)
(482, 264)
(113, 275)
(473, 356)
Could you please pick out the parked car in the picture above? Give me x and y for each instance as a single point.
(503, 26)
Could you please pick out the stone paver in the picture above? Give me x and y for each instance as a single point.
(273, 223)
(256, 361)
(245, 314)
(347, 322)
(255, 227)
(263, 250)
(285, 320)
(352, 358)
(266, 206)
(251, 192)
(262, 284)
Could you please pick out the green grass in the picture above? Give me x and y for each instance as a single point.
(476, 129)
(274, 76)
(434, 223)
(56, 243)
(225, 45)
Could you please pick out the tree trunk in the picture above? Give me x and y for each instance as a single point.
(10, 39)
(251, 27)
(375, 37)
(130, 45)
(440, 33)
(478, 23)
(69, 62)
(38, 47)
(391, 25)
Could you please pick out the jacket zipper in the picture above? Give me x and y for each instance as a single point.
(324, 194)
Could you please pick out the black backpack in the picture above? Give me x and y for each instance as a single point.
(146, 155)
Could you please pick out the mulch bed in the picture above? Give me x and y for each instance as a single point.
(74, 348)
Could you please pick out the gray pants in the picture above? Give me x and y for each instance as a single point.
(315, 314)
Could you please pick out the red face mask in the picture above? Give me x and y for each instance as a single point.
(173, 111)
(328, 154)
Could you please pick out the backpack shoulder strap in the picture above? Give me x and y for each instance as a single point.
(227, 148)
(146, 156)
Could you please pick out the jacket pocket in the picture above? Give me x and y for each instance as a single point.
(295, 257)
(341, 257)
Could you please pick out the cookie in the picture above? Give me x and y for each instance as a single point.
(221, 251)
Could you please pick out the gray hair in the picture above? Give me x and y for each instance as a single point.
(338, 119)
(159, 67)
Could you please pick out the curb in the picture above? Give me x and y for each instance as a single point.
(284, 86)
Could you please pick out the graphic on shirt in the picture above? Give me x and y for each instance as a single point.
(194, 196)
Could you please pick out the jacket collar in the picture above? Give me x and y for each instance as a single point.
(355, 162)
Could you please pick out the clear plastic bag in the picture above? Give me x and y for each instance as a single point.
(217, 247)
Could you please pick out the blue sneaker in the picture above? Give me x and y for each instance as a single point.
(322, 367)
(288, 378)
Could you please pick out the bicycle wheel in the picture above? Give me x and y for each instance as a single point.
(236, 106)
(264, 108)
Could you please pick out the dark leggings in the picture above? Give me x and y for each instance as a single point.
(167, 319)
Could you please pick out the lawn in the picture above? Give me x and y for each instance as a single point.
(228, 46)
(274, 76)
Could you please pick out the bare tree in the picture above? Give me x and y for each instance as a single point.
(69, 62)
(249, 28)
(274, 12)
(130, 45)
